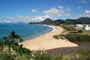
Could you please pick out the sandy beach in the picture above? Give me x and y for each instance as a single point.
(46, 41)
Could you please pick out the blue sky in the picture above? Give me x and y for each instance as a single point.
(38, 10)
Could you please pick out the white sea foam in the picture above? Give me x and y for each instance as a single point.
(54, 29)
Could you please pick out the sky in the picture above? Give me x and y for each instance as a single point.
(12, 11)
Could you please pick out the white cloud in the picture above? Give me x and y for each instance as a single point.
(61, 7)
(85, 14)
(5, 20)
(34, 11)
(87, 11)
(58, 11)
(40, 18)
(37, 18)
(27, 19)
(24, 19)
(53, 13)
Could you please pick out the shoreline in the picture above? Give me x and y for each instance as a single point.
(46, 41)
(53, 29)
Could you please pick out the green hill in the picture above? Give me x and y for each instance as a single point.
(82, 20)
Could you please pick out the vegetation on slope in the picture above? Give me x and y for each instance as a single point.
(78, 37)
(79, 55)
(11, 50)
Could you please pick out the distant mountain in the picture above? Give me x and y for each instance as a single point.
(47, 21)
(59, 21)
(70, 21)
(82, 20)
(50, 22)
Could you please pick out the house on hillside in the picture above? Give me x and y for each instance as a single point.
(87, 27)
(82, 26)
(79, 26)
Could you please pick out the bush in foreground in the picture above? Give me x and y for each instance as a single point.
(11, 51)
(79, 55)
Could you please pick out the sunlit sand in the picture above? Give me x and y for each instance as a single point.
(46, 41)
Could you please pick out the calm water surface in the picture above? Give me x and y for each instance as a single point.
(26, 31)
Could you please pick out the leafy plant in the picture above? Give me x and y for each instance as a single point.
(77, 37)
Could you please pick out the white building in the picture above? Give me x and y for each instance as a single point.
(87, 27)
(79, 26)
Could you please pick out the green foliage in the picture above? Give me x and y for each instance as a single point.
(10, 50)
(17, 52)
(68, 28)
(56, 36)
(79, 55)
(59, 36)
(6, 56)
(18, 37)
(77, 37)
(57, 58)
(41, 56)
(23, 57)
(3, 56)
(80, 31)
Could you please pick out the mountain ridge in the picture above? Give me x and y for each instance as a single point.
(82, 20)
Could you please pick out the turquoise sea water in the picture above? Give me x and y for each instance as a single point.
(26, 31)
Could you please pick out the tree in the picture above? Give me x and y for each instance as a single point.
(12, 35)
(15, 37)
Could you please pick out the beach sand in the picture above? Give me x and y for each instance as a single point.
(46, 41)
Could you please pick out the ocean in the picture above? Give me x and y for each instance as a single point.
(26, 31)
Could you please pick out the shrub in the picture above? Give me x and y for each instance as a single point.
(14, 49)
(68, 28)
(7, 56)
(79, 55)
(80, 31)
(77, 37)
(41, 56)
(56, 36)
